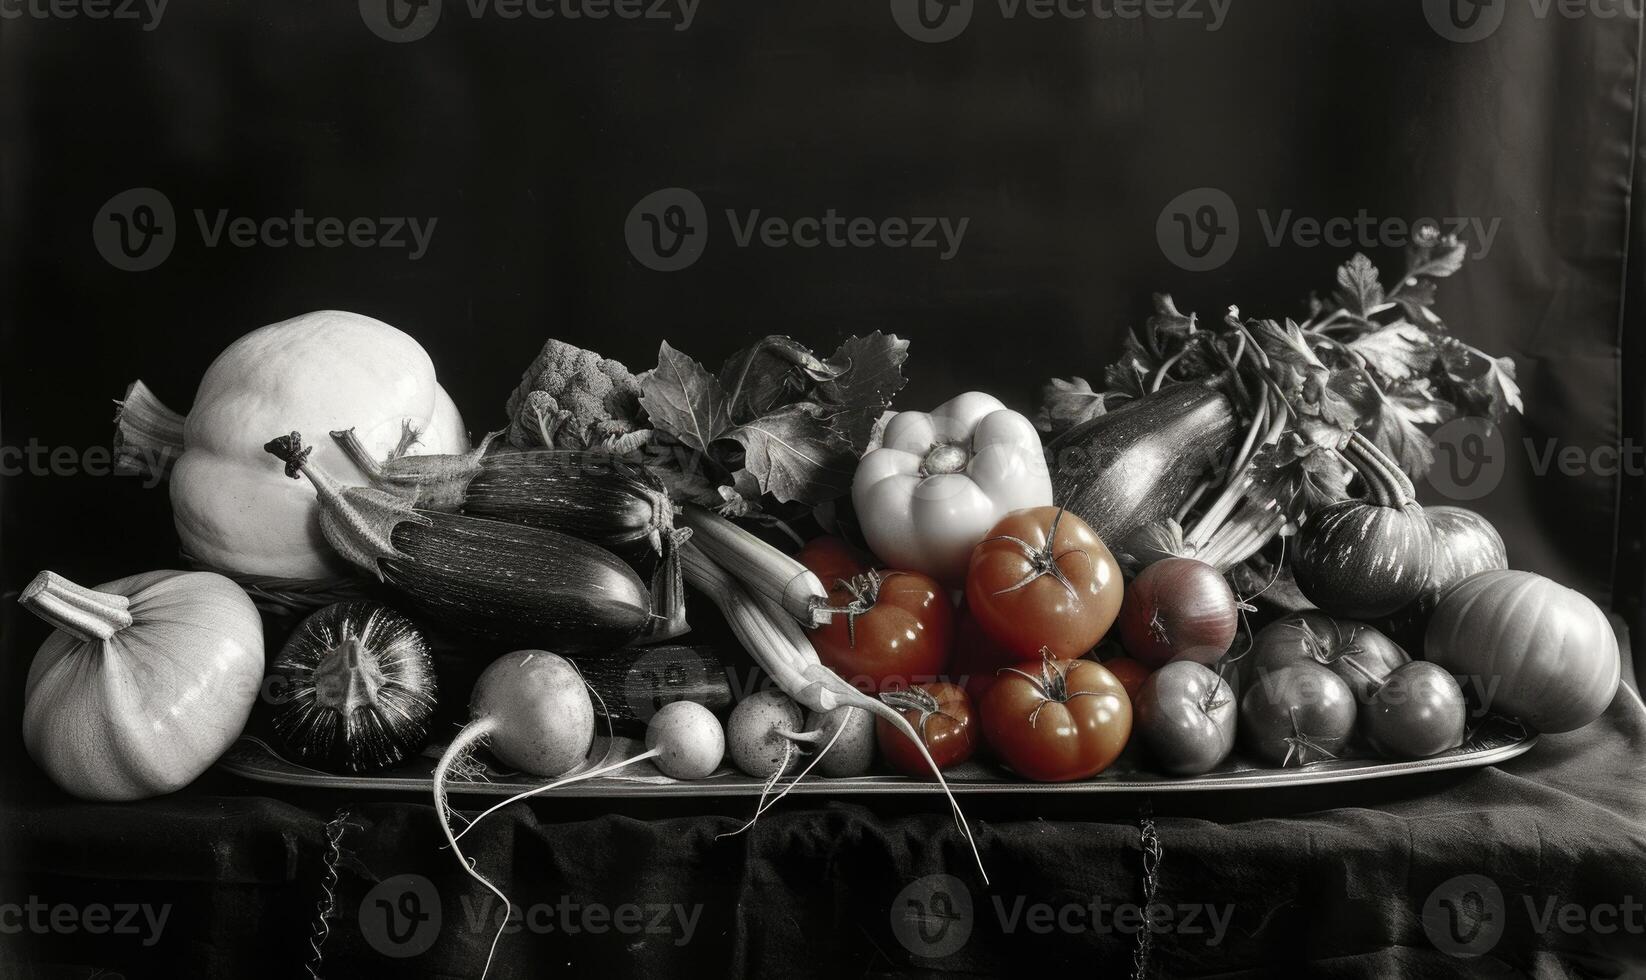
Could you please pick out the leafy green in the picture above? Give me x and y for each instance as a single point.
(684, 400)
(795, 455)
(1359, 290)
(1066, 404)
(776, 420)
(865, 372)
(1372, 358)
(1396, 352)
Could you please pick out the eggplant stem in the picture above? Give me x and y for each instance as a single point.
(409, 437)
(348, 441)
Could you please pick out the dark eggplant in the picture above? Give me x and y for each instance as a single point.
(1135, 466)
(594, 496)
(631, 685)
(1366, 559)
(357, 688)
(491, 579)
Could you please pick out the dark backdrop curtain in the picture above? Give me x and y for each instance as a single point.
(1061, 141)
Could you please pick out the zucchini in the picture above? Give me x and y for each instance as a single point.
(490, 579)
(594, 496)
(1127, 469)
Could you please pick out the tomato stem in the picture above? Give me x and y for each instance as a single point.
(864, 589)
(917, 699)
(1043, 560)
(1051, 685)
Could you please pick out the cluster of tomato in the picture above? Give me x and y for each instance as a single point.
(1040, 592)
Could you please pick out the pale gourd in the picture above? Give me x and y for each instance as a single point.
(331, 370)
(146, 681)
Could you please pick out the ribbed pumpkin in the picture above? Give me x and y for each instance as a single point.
(1540, 652)
(1364, 559)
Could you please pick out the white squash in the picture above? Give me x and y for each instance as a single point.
(318, 372)
(144, 683)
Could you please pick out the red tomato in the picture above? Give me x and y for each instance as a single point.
(1055, 721)
(942, 714)
(833, 560)
(1043, 580)
(1130, 672)
(900, 630)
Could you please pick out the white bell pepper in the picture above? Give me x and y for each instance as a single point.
(941, 479)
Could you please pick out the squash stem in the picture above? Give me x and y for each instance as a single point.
(83, 613)
(148, 436)
(1386, 486)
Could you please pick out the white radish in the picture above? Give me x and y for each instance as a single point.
(849, 730)
(759, 732)
(688, 740)
(533, 710)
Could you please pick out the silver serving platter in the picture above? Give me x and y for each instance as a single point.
(1494, 741)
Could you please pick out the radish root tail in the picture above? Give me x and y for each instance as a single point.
(896, 718)
(789, 749)
(461, 747)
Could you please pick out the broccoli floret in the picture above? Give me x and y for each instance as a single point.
(572, 398)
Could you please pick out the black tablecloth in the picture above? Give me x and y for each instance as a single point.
(1538, 866)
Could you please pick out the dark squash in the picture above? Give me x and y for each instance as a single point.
(1135, 466)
